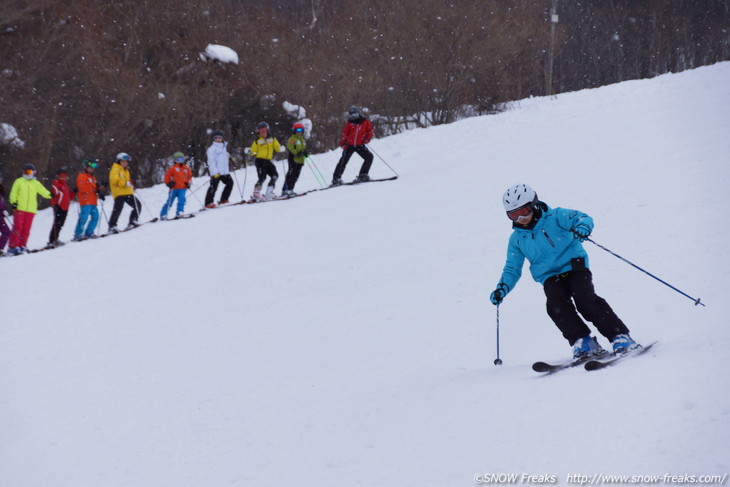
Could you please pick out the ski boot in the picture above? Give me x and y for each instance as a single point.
(587, 347)
(223, 202)
(210, 205)
(362, 178)
(336, 182)
(256, 194)
(163, 217)
(270, 193)
(623, 343)
(113, 229)
(132, 225)
(15, 250)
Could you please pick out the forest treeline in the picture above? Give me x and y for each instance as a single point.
(89, 78)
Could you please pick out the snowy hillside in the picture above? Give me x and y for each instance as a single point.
(346, 338)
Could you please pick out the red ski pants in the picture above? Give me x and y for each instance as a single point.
(22, 221)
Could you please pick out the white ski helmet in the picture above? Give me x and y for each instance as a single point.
(123, 156)
(518, 195)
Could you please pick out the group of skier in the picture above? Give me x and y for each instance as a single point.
(358, 132)
(549, 238)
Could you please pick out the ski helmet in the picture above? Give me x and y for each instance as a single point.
(517, 196)
(354, 112)
(216, 133)
(262, 125)
(123, 156)
(28, 167)
(178, 155)
(62, 170)
(298, 127)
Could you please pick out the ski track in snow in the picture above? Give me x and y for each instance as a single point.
(346, 338)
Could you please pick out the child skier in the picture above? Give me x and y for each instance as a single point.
(120, 182)
(89, 193)
(178, 179)
(219, 169)
(4, 228)
(24, 200)
(62, 196)
(358, 132)
(550, 239)
(264, 148)
(297, 147)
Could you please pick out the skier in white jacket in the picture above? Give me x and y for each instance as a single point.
(219, 169)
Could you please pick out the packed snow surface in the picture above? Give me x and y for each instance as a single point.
(346, 337)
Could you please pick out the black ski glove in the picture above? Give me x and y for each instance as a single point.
(498, 294)
(171, 184)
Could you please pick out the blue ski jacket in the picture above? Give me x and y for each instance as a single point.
(549, 246)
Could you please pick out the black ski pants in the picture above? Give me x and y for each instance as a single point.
(572, 293)
(119, 202)
(292, 175)
(59, 218)
(265, 168)
(346, 154)
(227, 181)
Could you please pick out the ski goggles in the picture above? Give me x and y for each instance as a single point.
(92, 164)
(180, 159)
(299, 129)
(518, 213)
(28, 172)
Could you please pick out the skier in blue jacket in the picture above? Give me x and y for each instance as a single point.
(550, 239)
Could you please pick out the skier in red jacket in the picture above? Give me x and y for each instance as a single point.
(62, 196)
(357, 133)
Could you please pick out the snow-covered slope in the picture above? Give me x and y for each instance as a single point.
(346, 337)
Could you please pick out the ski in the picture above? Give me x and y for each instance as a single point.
(598, 364)
(356, 181)
(179, 217)
(547, 369)
(129, 228)
(282, 198)
(226, 205)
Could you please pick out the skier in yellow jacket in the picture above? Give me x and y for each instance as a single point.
(120, 183)
(264, 148)
(24, 200)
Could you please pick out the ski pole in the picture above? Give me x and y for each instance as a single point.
(309, 165)
(396, 174)
(696, 301)
(195, 195)
(245, 178)
(311, 159)
(103, 212)
(201, 187)
(136, 198)
(238, 185)
(498, 361)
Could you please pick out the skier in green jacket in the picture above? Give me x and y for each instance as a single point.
(297, 152)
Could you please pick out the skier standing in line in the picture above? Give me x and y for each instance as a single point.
(24, 200)
(178, 179)
(120, 183)
(4, 228)
(88, 193)
(62, 196)
(358, 132)
(550, 239)
(297, 147)
(264, 148)
(219, 169)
